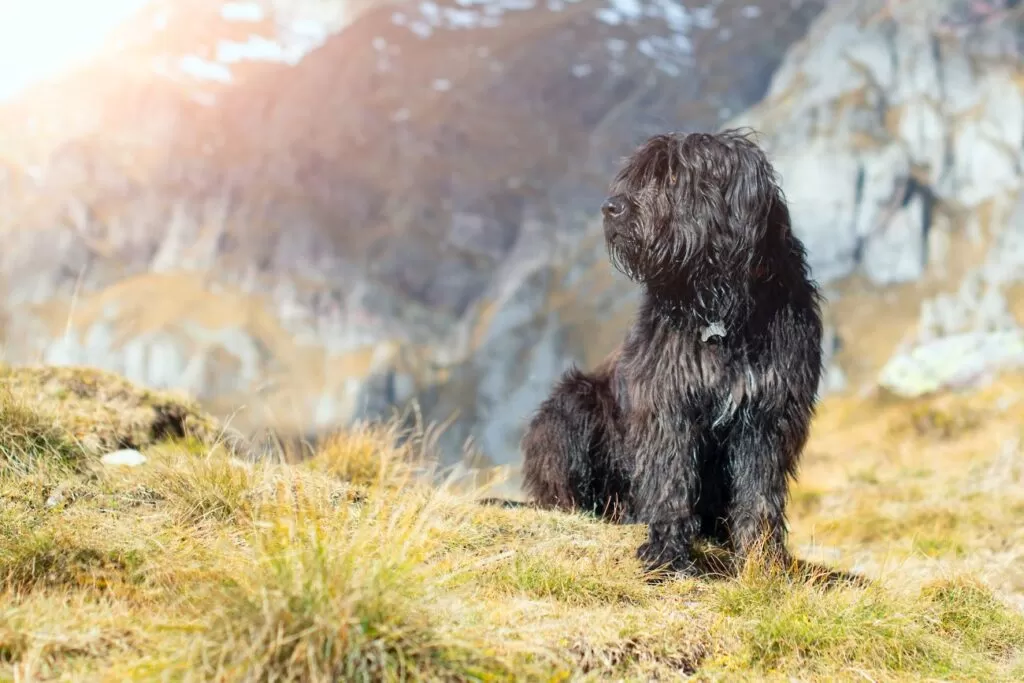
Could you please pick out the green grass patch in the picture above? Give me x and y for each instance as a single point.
(951, 630)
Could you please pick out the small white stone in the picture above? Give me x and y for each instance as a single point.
(55, 498)
(128, 457)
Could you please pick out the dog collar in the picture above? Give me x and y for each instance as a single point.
(715, 329)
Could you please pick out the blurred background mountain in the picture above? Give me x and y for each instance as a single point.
(306, 212)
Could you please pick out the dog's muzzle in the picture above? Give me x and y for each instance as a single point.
(614, 207)
(614, 210)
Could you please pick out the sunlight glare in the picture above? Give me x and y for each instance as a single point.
(39, 38)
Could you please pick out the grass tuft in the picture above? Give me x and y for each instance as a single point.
(26, 434)
(201, 487)
(337, 598)
(967, 611)
(357, 456)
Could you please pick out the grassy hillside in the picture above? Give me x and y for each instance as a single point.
(198, 566)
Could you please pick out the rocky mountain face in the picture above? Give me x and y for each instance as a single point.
(309, 212)
(899, 130)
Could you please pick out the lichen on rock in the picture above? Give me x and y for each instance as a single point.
(953, 362)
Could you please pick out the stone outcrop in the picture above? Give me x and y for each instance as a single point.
(898, 128)
(885, 117)
(407, 211)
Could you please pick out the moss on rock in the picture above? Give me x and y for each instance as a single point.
(71, 412)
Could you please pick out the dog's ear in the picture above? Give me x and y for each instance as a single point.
(778, 214)
(754, 197)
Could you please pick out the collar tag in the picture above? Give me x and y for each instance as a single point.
(715, 329)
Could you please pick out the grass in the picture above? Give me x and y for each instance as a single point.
(71, 413)
(921, 490)
(200, 566)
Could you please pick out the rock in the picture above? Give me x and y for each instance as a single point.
(987, 157)
(971, 333)
(880, 114)
(979, 308)
(128, 457)
(898, 129)
(400, 204)
(56, 497)
(954, 362)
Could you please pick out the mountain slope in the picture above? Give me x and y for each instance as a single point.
(406, 211)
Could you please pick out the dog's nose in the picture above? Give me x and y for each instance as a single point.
(613, 207)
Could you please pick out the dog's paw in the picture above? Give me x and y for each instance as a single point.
(657, 557)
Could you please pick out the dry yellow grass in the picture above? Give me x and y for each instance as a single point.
(196, 566)
(921, 488)
(96, 412)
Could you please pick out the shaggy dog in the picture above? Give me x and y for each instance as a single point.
(694, 425)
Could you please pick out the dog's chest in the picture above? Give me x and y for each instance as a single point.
(699, 379)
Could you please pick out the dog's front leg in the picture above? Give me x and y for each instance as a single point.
(762, 455)
(665, 489)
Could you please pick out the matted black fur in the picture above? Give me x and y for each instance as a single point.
(695, 424)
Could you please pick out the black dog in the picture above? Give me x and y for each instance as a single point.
(694, 425)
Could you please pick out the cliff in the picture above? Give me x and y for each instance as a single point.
(303, 216)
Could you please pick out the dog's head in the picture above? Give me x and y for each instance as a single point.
(685, 203)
